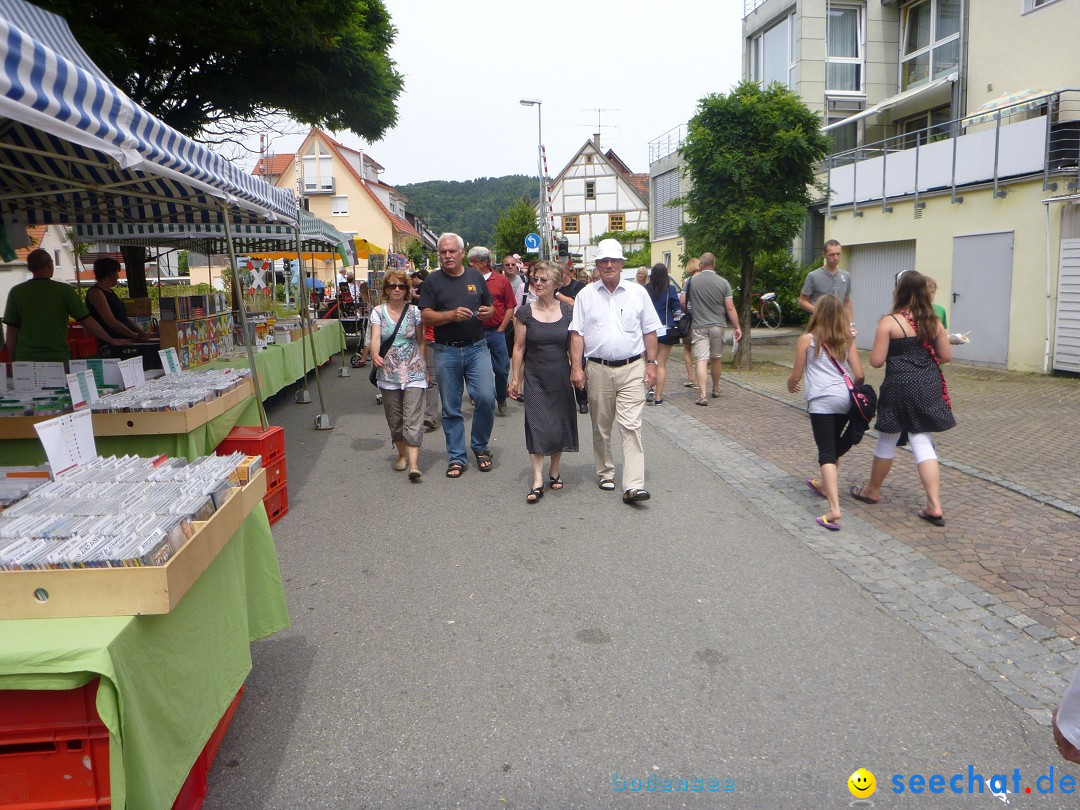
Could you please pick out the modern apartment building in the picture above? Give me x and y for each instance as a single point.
(956, 129)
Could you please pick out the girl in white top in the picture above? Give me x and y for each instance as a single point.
(827, 338)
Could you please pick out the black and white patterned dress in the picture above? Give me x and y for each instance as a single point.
(911, 397)
(550, 407)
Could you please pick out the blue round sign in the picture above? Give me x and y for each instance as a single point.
(532, 242)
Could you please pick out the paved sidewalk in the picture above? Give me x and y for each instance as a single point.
(1009, 483)
(1019, 430)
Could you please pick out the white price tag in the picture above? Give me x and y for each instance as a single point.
(83, 389)
(170, 360)
(131, 373)
(68, 440)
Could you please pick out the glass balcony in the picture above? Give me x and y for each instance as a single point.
(1038, 134)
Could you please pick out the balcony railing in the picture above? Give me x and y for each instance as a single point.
(1040, 136)
(667, 144)
(749, 6)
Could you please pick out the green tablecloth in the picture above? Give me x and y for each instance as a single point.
(165, 680)
(281, 365)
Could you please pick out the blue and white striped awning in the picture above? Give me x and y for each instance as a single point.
(74, 148)
(210, 238)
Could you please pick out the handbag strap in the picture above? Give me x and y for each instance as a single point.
(847, 380)
(388, 342)
(933, 356)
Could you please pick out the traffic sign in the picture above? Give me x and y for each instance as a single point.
(532, 242)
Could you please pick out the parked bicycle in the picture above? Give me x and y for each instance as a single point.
(765, 309)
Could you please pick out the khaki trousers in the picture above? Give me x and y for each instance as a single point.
(617, 394)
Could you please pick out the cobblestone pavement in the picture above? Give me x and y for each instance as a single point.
(999, 586)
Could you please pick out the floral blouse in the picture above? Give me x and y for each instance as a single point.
(404, 365)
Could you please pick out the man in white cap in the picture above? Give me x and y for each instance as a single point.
(613, 348)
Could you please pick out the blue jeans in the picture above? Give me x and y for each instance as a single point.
(500, 361)
(470, 365)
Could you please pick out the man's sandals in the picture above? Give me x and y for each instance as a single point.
(483, 461)
(455, 469)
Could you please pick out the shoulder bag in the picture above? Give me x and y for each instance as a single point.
(386, 343)
(683, 322)
(929, 346)
(863, 397)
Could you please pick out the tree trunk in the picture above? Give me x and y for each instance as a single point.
(135, 266)
(742, 354)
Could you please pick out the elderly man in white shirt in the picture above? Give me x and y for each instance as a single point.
(614, 328)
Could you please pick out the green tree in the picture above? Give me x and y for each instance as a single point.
(750, 156)
(182, 266)
(469, 207)
(196, 65)
(414, 249)
(515, 222)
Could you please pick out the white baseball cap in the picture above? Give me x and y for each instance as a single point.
(610, 249)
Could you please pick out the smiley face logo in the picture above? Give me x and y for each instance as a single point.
(862, 784)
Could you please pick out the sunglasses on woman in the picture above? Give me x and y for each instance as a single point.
(397, 286)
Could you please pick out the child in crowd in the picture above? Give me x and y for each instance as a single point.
(824, 353)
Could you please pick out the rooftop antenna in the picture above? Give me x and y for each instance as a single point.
(600, 126)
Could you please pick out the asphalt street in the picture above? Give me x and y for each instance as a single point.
(452, 646)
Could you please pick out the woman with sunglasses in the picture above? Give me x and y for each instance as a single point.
(402, 371)
(541, 354)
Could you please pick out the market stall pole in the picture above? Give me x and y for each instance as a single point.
(322, 420)
(243, 318)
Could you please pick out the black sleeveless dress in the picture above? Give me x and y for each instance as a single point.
(911, 397)
(550, 408)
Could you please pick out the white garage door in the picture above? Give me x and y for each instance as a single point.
(873, 271)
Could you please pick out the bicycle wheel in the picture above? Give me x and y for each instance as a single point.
(770, 314)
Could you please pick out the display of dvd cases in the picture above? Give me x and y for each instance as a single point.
(117, 512)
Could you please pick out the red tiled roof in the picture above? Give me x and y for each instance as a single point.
(640, 182)
(36, 234)
(273, 166)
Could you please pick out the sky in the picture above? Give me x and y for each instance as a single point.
(466, 65)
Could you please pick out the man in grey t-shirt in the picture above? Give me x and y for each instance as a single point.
(713, 309)
(828, 279)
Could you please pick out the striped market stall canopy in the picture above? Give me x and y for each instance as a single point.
(75, 149)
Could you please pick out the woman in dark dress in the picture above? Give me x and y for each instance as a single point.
(912, 344)
(541, 346)
(666, 302)
(106, 307)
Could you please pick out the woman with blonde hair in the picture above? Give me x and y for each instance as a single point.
(912, 344)
(693, 267)
(401, 372)
(826, 356)
(542, 364)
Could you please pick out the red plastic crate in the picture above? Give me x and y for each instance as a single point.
(252, 440)
(193, 791)
(54, 750)
(277, 503)
(83, 347)
(275, 474)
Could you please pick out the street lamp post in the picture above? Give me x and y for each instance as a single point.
(535, 102)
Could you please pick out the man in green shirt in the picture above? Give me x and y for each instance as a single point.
(37, 315)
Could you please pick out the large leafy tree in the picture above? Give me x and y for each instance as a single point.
(199, 64)
(515, 222)
(750, 156)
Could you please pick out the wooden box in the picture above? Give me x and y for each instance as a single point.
(139, 423)
(128, 591)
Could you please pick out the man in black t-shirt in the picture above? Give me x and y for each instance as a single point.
(455, 301)
(566, 295)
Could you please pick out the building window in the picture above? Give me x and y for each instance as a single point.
(56, 259)
(616, 222)
(318, 170)
(844, 68)
(772, 55)
(845, 137)
(667, 259)
(1031, 5)
(932, 125)
(929, 41)
(570, 224)
(339, 206)
(665, 218)
(588, 158)
(590, 189)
